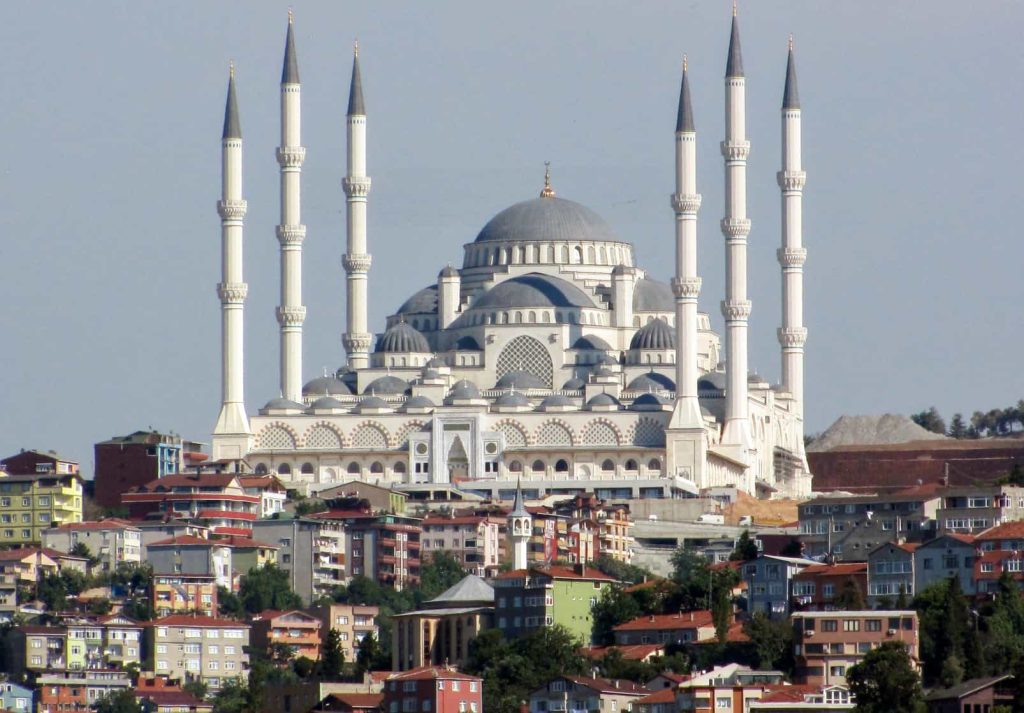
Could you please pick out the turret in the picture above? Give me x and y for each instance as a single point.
(449, 290)
(520, 529)
(290, 231)
(356, 260)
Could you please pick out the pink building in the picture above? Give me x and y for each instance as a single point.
(475, 540)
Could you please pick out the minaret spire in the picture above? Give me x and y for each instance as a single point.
(520, 529)
(290, 231)
(356, 260)
(734, 67)
(231, 434)
(790, 95)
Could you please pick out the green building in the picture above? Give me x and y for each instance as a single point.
(546, 595)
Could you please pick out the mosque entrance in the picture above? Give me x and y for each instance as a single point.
(458, 461)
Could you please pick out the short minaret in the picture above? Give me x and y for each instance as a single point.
(356, 260)
(686, 285)
(449, 291)
(232, 421)
(792, 254)
(735, 228)
(520, 528)
(290, 232)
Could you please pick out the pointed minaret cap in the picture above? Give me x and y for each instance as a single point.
(290, 71)
(518, 507)
(356, 107)
(791, 97)
(232, 126)
(734, 68)
(684, 117)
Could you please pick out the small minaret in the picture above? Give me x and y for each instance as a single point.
(356, 260)
(290, 232)
(449, 291)
(686, 285)
(735, 228)
(232, 421)
(520, 528)
(792, 254)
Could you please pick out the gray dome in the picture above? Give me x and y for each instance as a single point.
(592, 343)
(656, 334)
(603, 400)
(652, 381)
(417, 402)
(431, 374)
(556, 401)
(387, 385)
(326, 386)
(448, 271)
(464, 390)
(281, 404)
(436, 362)
(422, 302)
(547, 219)
(603, 371)
(372, 402)
(468, 344)
(574, 384)
(512, 399)
(404, 338)
(533, 290)
(712, 381)
(520, 380)
(648, 402)
(328, 402)
(653, 296)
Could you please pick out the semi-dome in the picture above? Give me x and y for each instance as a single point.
(648, 402)
(429, 374)
(403, 338)
(574, 384)
(326, 386)
(547, 219)
(591, 342)
(652, 381)
(602, 401)
(436, 363)
(387, 385)
(520, 380)
(283, 404)
(656, 334)
(653, 296)
(533, 290)
(422, 302)
(467, 343)
(712, 381)
(417, 402)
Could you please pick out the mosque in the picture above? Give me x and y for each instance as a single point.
(549, 357)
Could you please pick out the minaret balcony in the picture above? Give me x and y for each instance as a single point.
(686, 287)
(232, 209)
(736, 310)
(735, 150)
(291, 156)
(685, 202)
(356, 263)
(232, 292)
(792, 257)
(356, 186)
(791, 180)
(792, 337)
(291, 316)
(291, 235)
(734, 228)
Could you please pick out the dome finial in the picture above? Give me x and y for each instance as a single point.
(686, 63)
(355, 48)
(231, 69)
(790, 41)
(291, 16)
(548, 191)
(734, 8)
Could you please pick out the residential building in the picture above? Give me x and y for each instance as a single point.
(309, 694)
(271, 492)
(193, 555)
(157, 530)
(643, 653)
(579, 694)
(310, 550)
(1001, 549)
(602, 529)
(474, 540)
(804, 699)
(27, 564)
(769, 583)
(188, 647)
(977, 695)
(216, 500)
(725, 688)
(247, 553)
(385, 547)
(350, 703)
(353, 622)
(527, 599)
(849, 526)
(974, 508)
(549, 541)
(437, 689)
(122, 640)
(664, 629)
(184, 594)
(377, 497)
(111, 541)
(661, 701)
(826, 644)
(891, 573)
(950, 555)
(296, 629)
(816, 587)
(158, 695)
(126, 462)
(78, 691)
(16, 698)
(8, 596)
(440, 630)
(37, 648)
(38, 463)
(33, 502)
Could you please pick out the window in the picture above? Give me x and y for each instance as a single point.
(455, 685)
(873, 625)
(837, 671)
(828, 590)
(723, 702)
(829, 625)
(851, 625)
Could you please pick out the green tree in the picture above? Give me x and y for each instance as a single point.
(332, 656)
(367, 655)
(885, 681)
(622, 571)
(100, 606)
(122, 701)
(772, 641)
(850, 597)
(441, 571)
(745, 550)
(139, 609)
(308, 506)
(930, 420)
(304, 667)
(196, 688)
(232, 697)
(615, 606)
(267, 588)
(229, 603)
(80, 549)
(958, 427)
(52, 592)
(75, 582)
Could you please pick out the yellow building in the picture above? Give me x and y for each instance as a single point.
(34, 502)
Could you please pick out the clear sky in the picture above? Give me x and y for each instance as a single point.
(110, 241)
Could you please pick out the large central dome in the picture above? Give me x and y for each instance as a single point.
(547, 219)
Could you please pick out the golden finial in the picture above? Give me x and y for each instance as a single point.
(548, 191)
(734, 8)
(231, 69)
(355, 49)
(291, 16)
(790, 41)
(685, 63)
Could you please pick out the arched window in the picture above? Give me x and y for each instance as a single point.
(399, 468)
(577, 255)
(558, 317)
(603, 256)
(545, 317)
(654, 464)
(284, 469)
(538, 466)
(377, 468)
(261, 469)
(519, 317)
(564, 255)
(307, 469)
(631, 465)
(608, 465)
(515, 467)
(590, 254)
(533, 317)
(353, 468)
(561, 466)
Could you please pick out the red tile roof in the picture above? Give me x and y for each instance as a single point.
(239, 541)
(183, 540)
(106, 524)
(1007, 531)
(558, 572)
(163, 697)
(837, 569)
(630, 652)
(665, 695)
(604, 685)
(356, 700)
(425, 673)
(20, 553)
(668, 622)
(198, 621)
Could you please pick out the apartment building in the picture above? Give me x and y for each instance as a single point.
(353, 622)
(437, 689)
(725, 688)
(827, 644)
(247, 553)
(804, 699)
(379, 498)
(193, 555)
(201, 648)
(527, 599)
(972, 509)
(184, 594)
(475, 540)
(122, 640)
(269, 489)
(158, 695)
(29, 462)
(1001, 549)
(597, 528)
(16, 698)
(769, 583)
(298, 630)
(111, 541)
(891, 573)
(310, 550)
(678, 628)
(215, 500)
(126, 462)
(950, 555)
(816, 587)
(26, 565)
(383, 547)
(104, 642)
(580, 694)
(78, 691)
(31, 503)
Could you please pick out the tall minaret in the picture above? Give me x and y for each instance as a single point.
(357, 262)
(686, 285)
(735, 228)
(520, 529)
(290, 232)
(232, 421)
(792, 254)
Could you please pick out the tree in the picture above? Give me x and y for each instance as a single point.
(267, 588)
(332, 656)
(122, 701)
(622, 571)
(304, 667)
(958, 427)
(196, 688)
(52, 591)
(850, 597)
(772, 641)
(885, 681)
(442, 571)
(232, 697)
(367, 655)
(309, 506)
(100, 606)
(81, 549)
(930, 420)
(229, 604)
(615, 606)
(745, 550)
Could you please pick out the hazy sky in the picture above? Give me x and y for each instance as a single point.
(111, 125)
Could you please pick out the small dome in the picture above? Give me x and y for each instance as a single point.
(653, 296)
(436, 362)
(591, 342)
(656, 334)
(372, 402)
(606, 359)
(648, 402)
(547, 219)
(430, 374)
(448, 271)
(619, 270)
(603, 400)
(283, 404)
(652, 381)
(464, 390)
(418, 402)
(388, 385)
(712, 381)
(402, 338)
(422, 302)
(513, 400)
(328, 402)
(603, 371)
(556, 401)
(574, 384)
(326, 386)
(520, 380)
(468, 344)
(755, 378)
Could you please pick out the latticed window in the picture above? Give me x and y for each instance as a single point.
(275, 438)
(514, 437)
(323, 438)
(648, 433)
(600, 433)
(525, 354)
(369, 437)
(554, 434)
